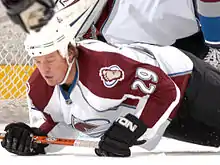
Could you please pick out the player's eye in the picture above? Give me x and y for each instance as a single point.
(37, 61)
(50, 61)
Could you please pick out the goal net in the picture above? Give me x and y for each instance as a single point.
(15, 69)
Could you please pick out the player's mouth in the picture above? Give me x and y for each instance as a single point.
(48, 77)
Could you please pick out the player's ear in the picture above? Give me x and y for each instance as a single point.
(72, 52)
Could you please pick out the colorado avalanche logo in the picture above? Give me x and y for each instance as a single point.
(90, 127)
(111, 75)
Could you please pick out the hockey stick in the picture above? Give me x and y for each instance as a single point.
(61, 141)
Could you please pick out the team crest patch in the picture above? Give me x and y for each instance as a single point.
(91, 127)
(111, 75)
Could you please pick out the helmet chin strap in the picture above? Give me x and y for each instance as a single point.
(70, 64)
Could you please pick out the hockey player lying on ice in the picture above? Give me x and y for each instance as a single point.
(125, 94)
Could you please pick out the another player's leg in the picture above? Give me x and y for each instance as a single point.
(198, 119)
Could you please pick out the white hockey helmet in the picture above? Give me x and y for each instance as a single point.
(67, 26)
(53, 37)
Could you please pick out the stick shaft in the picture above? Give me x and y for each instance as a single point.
(61, 141)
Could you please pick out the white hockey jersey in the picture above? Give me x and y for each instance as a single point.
(149, 21)
(111, 81)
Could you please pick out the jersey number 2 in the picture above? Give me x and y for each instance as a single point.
(145, 75)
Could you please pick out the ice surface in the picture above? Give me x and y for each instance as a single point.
(168, 152)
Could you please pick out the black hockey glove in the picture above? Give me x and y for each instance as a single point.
(120, 136)
(18, 140)
(29, 14)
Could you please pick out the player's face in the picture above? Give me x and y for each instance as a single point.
(52, 67)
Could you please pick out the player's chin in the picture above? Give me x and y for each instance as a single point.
(51, 82)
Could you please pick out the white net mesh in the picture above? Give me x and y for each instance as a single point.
(15, 69)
